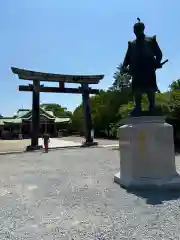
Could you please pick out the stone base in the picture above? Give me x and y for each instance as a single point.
(33, 148)
(89, 144)
(172, 183)
(147, 156)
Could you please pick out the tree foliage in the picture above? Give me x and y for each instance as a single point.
(175, 104)
(121, 80)
(175, 85)
(162, 105)
(78, 120)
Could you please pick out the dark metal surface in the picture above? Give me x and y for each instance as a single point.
(50, 77)
(35, 114)
(87, 114)
(36, 88)
(26, 88)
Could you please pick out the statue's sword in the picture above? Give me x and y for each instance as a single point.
(164, 62)
(162, 65)
(127, 70)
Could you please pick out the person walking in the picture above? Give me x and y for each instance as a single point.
(46, 142)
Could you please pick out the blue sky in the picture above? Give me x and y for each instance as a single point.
(79, 37)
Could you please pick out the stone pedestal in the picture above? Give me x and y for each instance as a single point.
(147, 157)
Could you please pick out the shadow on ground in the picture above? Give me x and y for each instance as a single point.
(155, 197)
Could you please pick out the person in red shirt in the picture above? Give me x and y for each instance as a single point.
(46, 142)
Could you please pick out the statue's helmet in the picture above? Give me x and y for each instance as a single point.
(139, 26)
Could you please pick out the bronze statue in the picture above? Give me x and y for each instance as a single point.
(142, 59)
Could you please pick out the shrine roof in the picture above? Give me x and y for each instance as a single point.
(4, 121)
(51, 77)
(26, 114)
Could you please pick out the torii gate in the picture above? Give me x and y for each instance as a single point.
(36, 88)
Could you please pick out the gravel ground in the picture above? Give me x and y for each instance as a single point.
(70, 194)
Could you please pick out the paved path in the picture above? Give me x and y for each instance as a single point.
(101, 141)
(14, 145)
(70, 195)
(8, 146)
(73, 141)
(57, 142)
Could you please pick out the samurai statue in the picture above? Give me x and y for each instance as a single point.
(142, 58)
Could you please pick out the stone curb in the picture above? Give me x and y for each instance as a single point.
(56, 148)
(39, 150)
(13, 152)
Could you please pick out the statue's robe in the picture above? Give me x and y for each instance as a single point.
(142, 57)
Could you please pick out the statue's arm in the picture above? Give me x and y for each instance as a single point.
(126, 61)
(157, 51)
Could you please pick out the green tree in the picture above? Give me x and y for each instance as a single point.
(121, 80)
(175, 85)
(104, 111)
(78, 120)
(175, 104)
(174, 95)
(162, 105)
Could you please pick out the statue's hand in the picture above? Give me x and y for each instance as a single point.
(158, 65)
